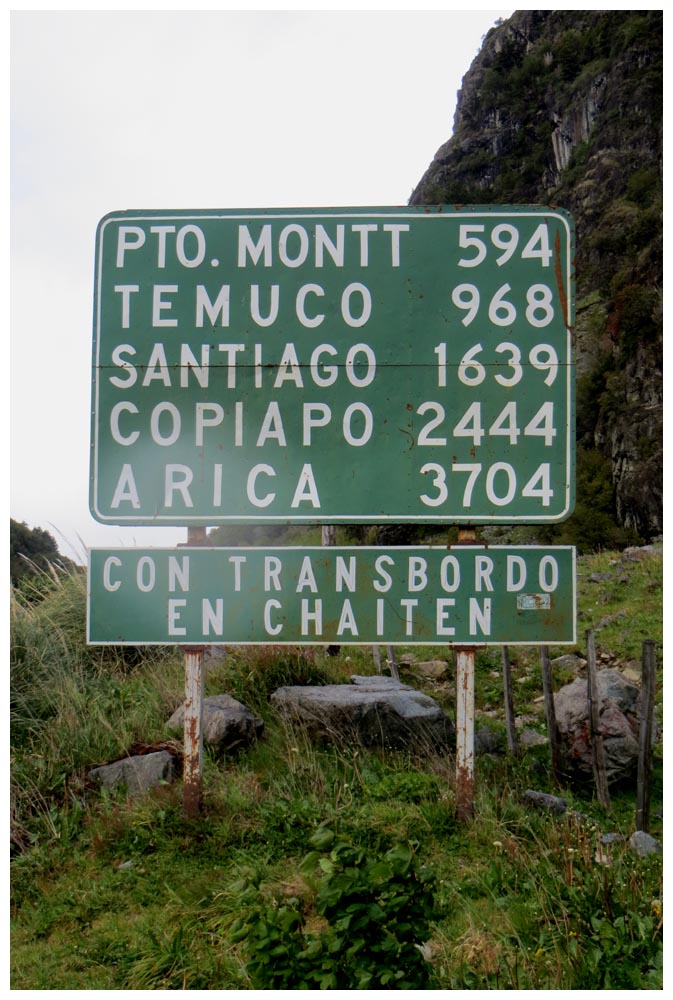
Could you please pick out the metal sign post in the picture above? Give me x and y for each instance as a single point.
(465, 717)
(465, 733)
(193, 732)
(246, 363)
(192, 766)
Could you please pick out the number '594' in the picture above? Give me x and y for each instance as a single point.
(505, 238)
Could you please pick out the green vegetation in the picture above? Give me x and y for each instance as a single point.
(31, 552)
(314, 867)
(371, 914)
(566, 110)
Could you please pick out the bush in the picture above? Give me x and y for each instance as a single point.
(372, 916)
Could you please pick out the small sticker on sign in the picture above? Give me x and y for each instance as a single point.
(533, 602)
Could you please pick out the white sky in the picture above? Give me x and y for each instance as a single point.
(167, 110)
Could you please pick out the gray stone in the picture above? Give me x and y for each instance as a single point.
(618, 721)
(633, 671)
(228, 726)
(214, 654)
(432, 669)
(612, 838)
(569, 661)
(541, 800)
(374, 711)
(488, 741)
(643, 844)
(531, 738)
(137, 774)
(640, 552)
(378, 682)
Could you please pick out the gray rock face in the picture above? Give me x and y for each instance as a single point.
(138, 774)
(593, 112)
(228, 726)
(374, 711)
(618, 720)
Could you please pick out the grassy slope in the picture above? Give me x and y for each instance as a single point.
(110, 894)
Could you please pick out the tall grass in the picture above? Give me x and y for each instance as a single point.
(117, 893)
(72, 706)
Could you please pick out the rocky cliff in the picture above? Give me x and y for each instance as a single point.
(565, 108)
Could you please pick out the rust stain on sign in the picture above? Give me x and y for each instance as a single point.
(558, 267)
(533, 602)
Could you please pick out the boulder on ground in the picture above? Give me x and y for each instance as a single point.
(541, 800)
(569, 661)
(489, 741)
(434, 670)
(137, 774)
(373, 711)
(643, 844)
(619, 722)
(531, 738)
(228, 726)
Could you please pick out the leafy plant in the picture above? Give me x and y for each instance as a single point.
(372, 917)
(620, 954)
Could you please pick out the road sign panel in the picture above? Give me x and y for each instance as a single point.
(463, 595)
(336, 365)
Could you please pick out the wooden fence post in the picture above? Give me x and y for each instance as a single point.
(647, 689)
(550, 713)
(597, 748)
(509, 703)
(392, 660)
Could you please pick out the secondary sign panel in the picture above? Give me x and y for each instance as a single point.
(465, 595)
(333, 365)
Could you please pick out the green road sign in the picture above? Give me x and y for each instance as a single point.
(333, 365)
(465, 595)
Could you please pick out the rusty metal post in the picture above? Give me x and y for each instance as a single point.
(193, 732)
(192, 770)
(465, 734)
(328, 538)
(465, 716)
